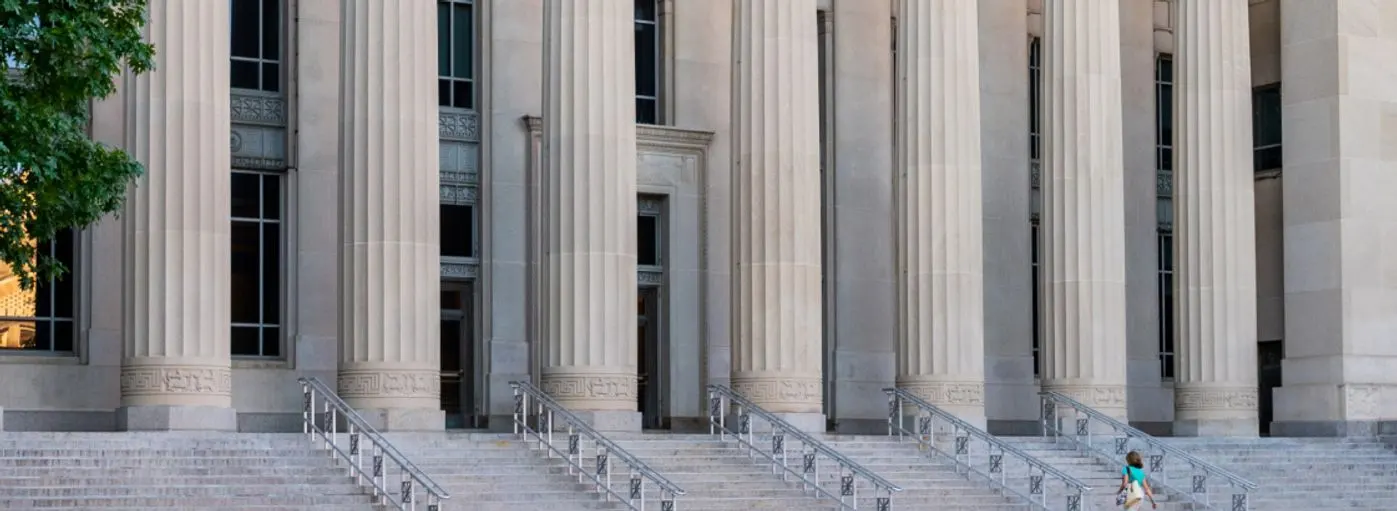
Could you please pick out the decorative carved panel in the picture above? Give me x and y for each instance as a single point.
(650, 276)
(460, 268)
(459, 125)
(459, 194)
(258, 130)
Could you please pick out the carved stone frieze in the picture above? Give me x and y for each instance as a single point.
(1164, 183)
(370, 383)
(462, 125)
(594, 387)
(255, 107)
(157, 380)
(458, 194)
(650, 276)
(1212, 398)
(456, 268)
(1095, 396)
(458, 157)
(649, 205)
(460, 178)
(947, 393)
(257, 147)
(766, 392)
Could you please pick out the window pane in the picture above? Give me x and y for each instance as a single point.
(443, 92)
(645, 10)
(63, 250)
(244, 28)
(244, 341)
(443, 39)
(647, 240)
(245, 280)
(463, 35)
(456, 230)
(1166, 158)
(243, 75)
(646, 111)
(63, 336)
(1268, 158)
(42, 337)
(271, 29)
(271, 77)
(646, 59)
(271, 197)
(462, 94)
(271, 273)
(271, 342)
(245, 194)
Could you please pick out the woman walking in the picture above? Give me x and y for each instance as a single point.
(1134, 489)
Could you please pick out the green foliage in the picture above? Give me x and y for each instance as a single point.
(55, 57)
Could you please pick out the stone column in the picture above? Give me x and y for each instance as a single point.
(1215, 387)
(941, 349)
(589, 362)
(776, 352)
(1084, 340)
(175, 372)
(390, 257)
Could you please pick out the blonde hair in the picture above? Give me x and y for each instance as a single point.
(1133, 459)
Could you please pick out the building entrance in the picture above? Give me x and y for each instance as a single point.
(459, 364)
(649, 354)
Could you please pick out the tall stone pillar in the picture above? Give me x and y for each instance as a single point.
(941, 349)
(776, 352)
(390, 257)
(589, 220)
(175, 372)
(1083, 205)
(1215, 386)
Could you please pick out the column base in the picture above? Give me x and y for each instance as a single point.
(1243, 428)
(404, 419)
(176, 418)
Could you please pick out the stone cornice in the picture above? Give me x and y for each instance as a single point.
(648, 135)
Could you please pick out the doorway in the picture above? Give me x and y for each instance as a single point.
(649, 359)
(459, 364)
(1269, 355)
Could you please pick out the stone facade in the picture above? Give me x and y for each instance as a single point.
(825, 204)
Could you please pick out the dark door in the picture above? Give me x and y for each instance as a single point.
(1268, 375)
(648, 357)
(458, 371)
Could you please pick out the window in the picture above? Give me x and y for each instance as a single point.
(1164, 234)
(256, 264)
(456, 53)
(1266, 127)
(458, 230)
(647, 61)
(256, 45)
(1166, 302)
(1164, 112)
(41, 319)
(1035, 106)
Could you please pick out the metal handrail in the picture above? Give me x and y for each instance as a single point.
(546, 416)
(1158, 473)
(720, 398)
(995, 473)
(380, 449)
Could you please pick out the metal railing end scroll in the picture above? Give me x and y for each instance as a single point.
(382, 455)
(537, 415)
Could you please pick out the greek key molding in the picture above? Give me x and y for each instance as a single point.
(165, 380)
(767, 391)
(947, 393)
(1095, 396)
(461, 125)
(597, 387)
(257, 107)
(369, 383)
(1206, 398)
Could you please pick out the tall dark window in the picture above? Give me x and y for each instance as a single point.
(648, 245)
(41, 319)
(1164, 233)
(647, 61)
(256, 45)
(1266, 127)
(1035, 112)
(256, 264)
(458, 238)
(456, 53)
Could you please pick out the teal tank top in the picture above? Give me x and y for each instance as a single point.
(1134, 474)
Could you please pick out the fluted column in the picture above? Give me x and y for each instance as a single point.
(776, 352)
(941, 350)
(1083, 205)
(589, 234)
(390, 256)
(175, 371)
(1215, 390)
